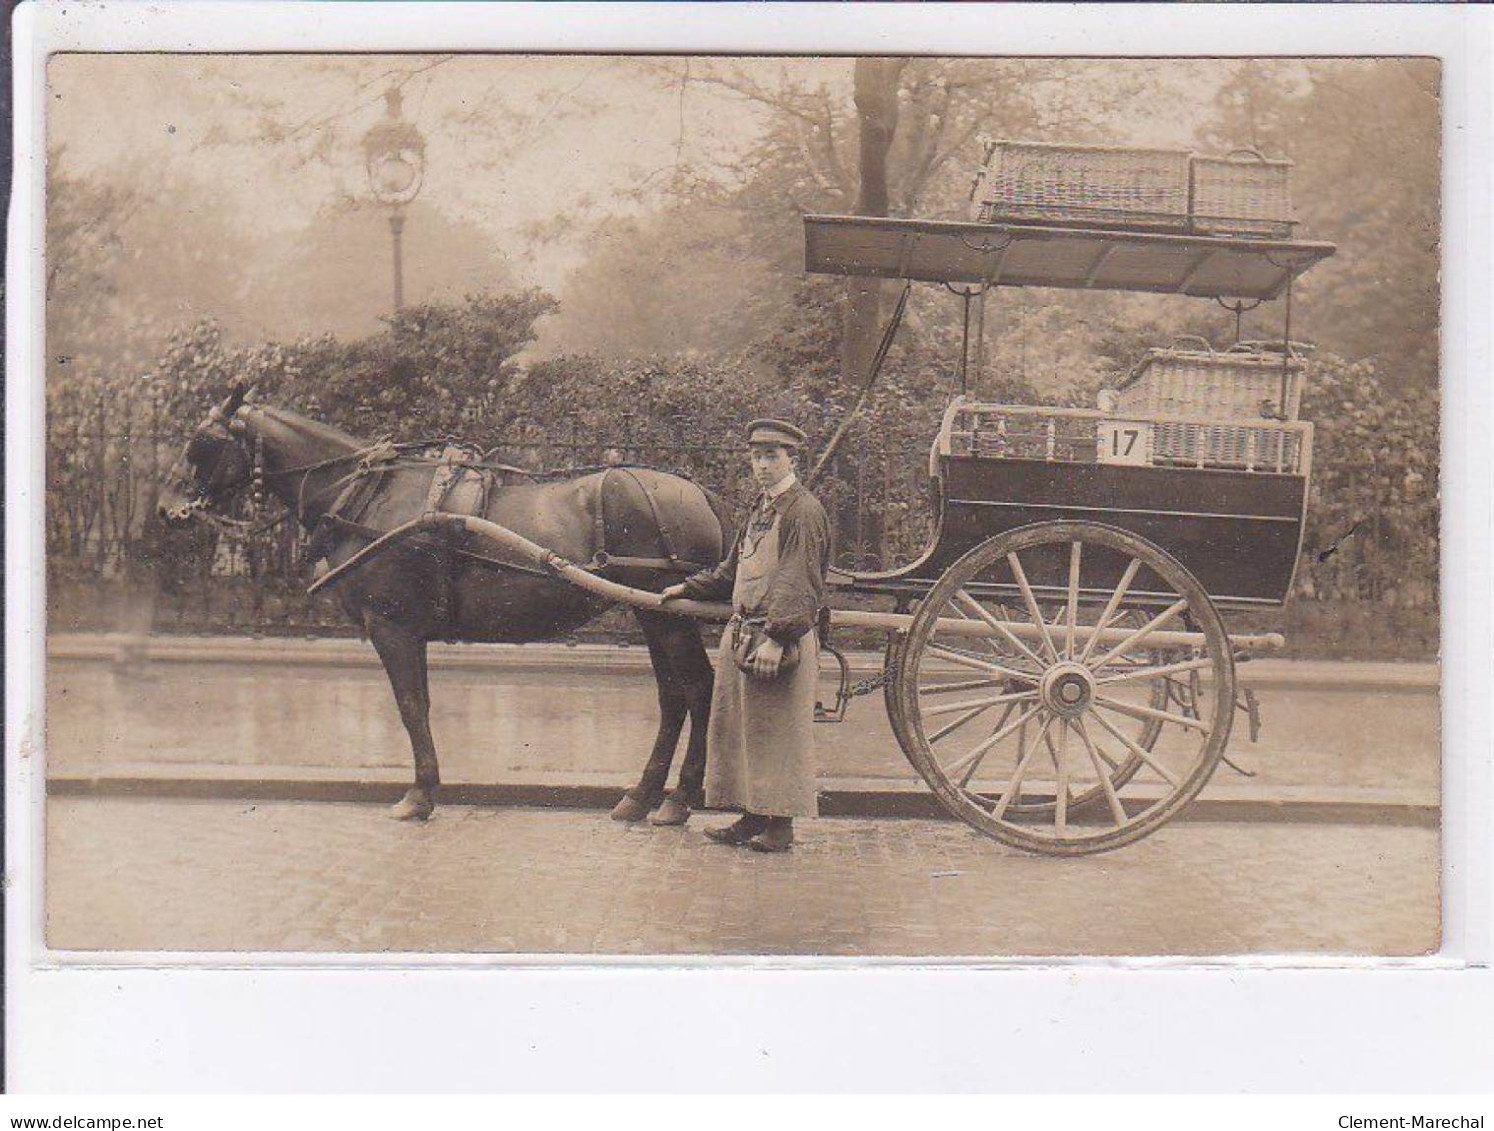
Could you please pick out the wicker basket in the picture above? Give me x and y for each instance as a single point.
(1073, 184)
(1202, 384)
(1242, 195)
(1243, 446)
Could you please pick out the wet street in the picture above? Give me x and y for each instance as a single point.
(594, 722)
(159, 871)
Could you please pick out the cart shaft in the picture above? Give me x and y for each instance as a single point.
(510, 541)
(1028, 632)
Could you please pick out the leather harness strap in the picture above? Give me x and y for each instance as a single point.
(356, 496)
(602, 558)
(665, 540)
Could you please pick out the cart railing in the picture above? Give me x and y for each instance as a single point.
(1081, 435)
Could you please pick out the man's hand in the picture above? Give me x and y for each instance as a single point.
(673, 592)
(766, 658)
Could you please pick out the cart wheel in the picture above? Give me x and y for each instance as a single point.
(892, 661)
(1025, 724)
(1143, 732)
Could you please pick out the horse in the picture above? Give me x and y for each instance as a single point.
(641, 527)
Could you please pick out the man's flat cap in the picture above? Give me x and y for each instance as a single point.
(775, 432)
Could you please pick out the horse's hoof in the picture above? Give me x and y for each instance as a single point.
(415, 805)
(629, 809)
(672, 812)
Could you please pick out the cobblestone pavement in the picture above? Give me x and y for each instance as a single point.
(130, 874)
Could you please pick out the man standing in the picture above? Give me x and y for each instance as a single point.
(759, 748)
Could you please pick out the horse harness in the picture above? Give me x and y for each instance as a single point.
(462, 483)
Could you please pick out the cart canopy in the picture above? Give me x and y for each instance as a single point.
(1020, 255)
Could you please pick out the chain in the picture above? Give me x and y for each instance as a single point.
(875, 683)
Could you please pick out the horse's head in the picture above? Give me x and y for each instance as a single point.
(214, 466)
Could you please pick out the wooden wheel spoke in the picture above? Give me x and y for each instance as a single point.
(1110, 606)
(986, 641)
(1106, 758)
(1141, 753)
(1073, 609)
(1137, 712)
(1010, 616)
(1141, 633)
(1117, 810)
(1157, 672)
(950, 728)
(962, 685)
(963, 615)
(1032, 606)
(1015, 783)
(981, 665)
(967, 704)
(1060, 758)
(1000, 628)
(973, 758)
(1006, 713)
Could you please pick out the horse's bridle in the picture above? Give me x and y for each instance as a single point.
(201, 480)
(229, 429)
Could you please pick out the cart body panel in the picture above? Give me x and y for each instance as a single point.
(1238, 529)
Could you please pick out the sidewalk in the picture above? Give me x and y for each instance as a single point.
(1415, 678)
(569, 727)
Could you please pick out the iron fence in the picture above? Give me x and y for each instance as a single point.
(106, 457)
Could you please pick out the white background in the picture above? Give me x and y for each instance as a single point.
(1073, 1026)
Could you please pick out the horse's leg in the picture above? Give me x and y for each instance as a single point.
(403, 655)
(673, 706)
(685, 678)
(693, 666)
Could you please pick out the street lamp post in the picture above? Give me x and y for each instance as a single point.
(394, 155)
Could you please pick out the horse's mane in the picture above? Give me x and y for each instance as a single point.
(289, 424)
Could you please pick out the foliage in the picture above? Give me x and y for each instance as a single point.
(675, 280)
(335, 275)
(1365, 139)
(454, 369)
(693, 313)
(434, 370)
(1375, 474)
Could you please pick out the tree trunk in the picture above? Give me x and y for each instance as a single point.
(876, 86)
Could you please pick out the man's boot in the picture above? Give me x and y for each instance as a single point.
(777, 836)
(739, 831)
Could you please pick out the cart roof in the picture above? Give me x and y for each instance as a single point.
(1023, 255)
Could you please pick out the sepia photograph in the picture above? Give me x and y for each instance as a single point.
(600, 506)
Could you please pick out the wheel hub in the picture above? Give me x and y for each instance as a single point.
(1068, 689)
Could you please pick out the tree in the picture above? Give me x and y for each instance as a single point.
(335, 276)
(876, 96)
(1364, 136)
(678, 279)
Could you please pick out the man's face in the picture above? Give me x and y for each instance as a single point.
(770, 463)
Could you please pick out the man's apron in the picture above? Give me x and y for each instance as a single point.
(759, 748)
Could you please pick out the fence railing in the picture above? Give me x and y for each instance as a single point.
(106, 459)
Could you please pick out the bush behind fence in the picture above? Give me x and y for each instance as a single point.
(111, 441)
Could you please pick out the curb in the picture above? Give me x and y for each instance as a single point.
(878, 798)
(341, 652)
